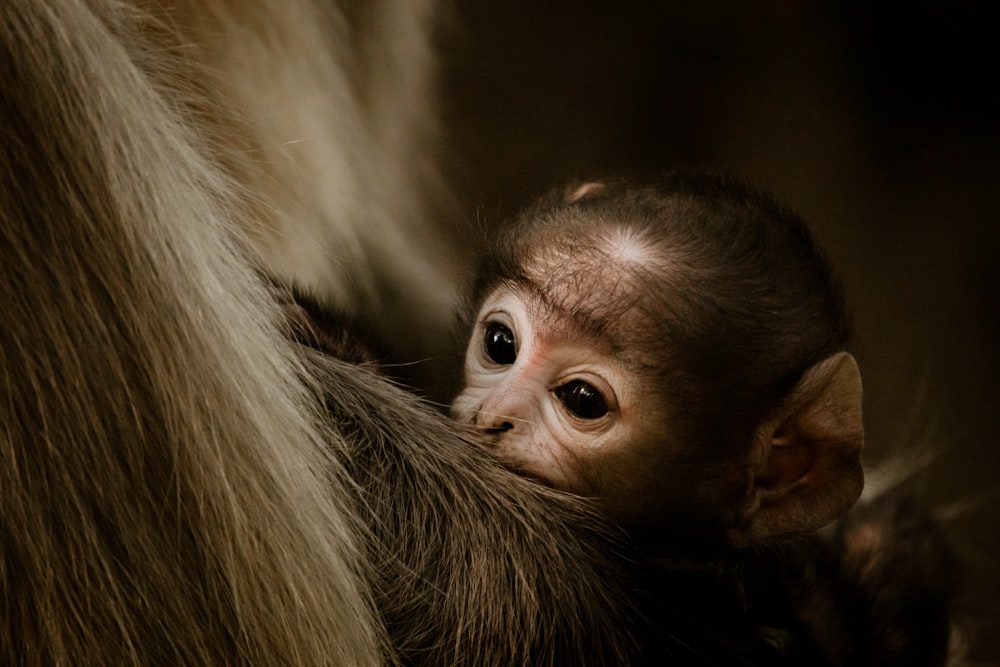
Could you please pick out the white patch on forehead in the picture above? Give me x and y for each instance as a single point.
(628, 247)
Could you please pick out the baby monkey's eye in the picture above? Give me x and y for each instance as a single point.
(499, 344)
(582, 399)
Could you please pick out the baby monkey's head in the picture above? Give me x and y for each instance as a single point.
(661, 346)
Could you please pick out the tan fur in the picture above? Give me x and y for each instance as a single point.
(163, 497)
(172, 491)
(328, 116)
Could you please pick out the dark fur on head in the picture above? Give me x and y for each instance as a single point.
(738, 292)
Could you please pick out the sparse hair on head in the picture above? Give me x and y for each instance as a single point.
(737, 288)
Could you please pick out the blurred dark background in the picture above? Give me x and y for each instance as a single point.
(879, 122)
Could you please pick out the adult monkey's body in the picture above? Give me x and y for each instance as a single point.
(164, 500)
(170, 491)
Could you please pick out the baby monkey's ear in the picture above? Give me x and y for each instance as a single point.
(805, 464)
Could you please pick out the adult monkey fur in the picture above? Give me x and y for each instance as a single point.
(168, 493)
(168, 490)
(164, 500)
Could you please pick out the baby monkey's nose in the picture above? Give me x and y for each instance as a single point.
(500, 427)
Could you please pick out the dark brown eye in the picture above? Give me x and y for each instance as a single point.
(582, 399)
(499, 344)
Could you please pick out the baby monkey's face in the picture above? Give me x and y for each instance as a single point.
(558, 404)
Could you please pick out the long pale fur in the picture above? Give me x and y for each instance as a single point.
(327, 112)
(170, 490)
(165, 496)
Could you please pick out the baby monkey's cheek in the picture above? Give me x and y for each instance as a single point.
(538, 458)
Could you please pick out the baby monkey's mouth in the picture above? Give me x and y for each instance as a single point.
(491, 442)
(498, 430)
(530, 475)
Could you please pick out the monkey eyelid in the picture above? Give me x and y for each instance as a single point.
(499, 316)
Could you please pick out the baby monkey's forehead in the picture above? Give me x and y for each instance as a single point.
(601, 291)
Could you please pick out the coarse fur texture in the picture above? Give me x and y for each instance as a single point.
(166, 495)
(325, 112)
(171, 491)
(460, 544)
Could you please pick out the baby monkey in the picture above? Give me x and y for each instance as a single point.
(674, 349)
